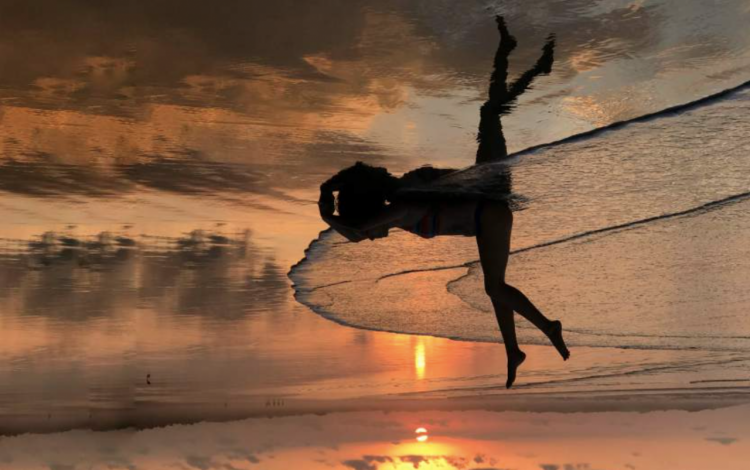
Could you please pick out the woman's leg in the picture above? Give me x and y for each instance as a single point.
(490, 137)
(493, 240)
(507, 325)
(543, 66)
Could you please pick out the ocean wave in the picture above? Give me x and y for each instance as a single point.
(646, 209)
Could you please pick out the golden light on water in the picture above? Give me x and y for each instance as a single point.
(420, 362)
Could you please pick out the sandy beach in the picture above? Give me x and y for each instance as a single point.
(171, 297)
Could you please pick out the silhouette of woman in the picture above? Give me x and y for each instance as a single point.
(371, 201)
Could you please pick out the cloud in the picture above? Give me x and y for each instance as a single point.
(415, 460)
(567, 466)
(378, 458)
(359, 464)
(367, 462)
(722, 440)
(241, 454)
(230, 274)
(372, 462)
(202, 463)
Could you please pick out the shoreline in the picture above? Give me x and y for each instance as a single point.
(157, 415)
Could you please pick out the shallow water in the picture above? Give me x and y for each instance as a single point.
(634, 237)
(159, 164)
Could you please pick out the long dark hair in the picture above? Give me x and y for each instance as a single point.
(364, 190)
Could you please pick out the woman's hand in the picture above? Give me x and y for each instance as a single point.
(351, 233)
(326, 204)
(374, 227)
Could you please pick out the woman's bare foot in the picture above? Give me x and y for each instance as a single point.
(508, 40)
(555, 335)
(514, 361)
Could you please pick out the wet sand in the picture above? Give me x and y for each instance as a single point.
(159, 170)
(421, 373)
(406, 440)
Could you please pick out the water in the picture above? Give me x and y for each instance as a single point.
(634, 237)
(160, 163)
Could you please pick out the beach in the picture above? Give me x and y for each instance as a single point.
(438, 439)
(169, 295)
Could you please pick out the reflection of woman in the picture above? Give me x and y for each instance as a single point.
(371, 201)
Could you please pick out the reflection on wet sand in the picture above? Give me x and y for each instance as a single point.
(468, 440)
(160, 85)
(173, 116)
(202, 273)
(84, 315)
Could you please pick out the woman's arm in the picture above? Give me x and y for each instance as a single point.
(387, 218)
(350, 233)
(358, 231)
(327, 206)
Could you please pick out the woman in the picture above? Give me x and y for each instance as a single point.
(371, 201)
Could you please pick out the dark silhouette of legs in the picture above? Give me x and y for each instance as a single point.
(507, 325)
(493, 241)
(501, 98)
(543, 66)
(490, 136)
(498, 80)
(496, 221)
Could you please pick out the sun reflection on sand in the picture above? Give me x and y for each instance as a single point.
(420, 361)
(467, 440)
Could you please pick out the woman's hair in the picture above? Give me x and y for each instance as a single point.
(363, 190)
(424, 175)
